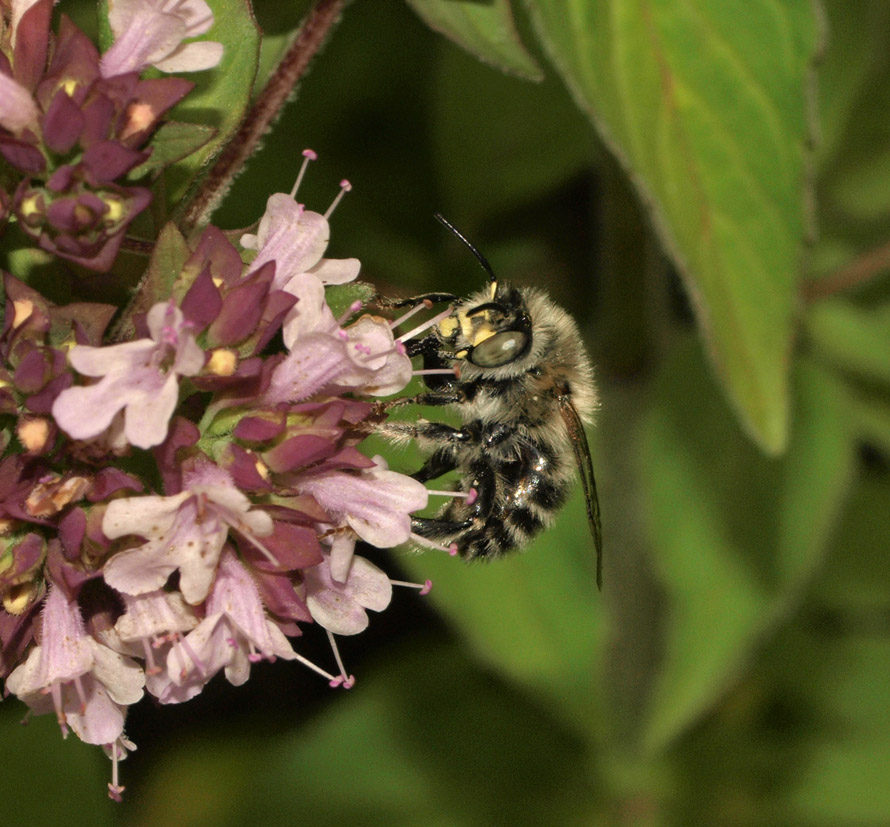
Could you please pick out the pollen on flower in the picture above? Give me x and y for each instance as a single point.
(222, 362)
(140, 116)
(33, 434)
(19, 598)
(22, 310)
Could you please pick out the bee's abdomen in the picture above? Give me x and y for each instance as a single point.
(517, 499)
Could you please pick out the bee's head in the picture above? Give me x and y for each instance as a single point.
(493, 329)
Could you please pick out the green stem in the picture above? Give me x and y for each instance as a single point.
(859, 271)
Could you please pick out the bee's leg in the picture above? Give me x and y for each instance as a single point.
(435, 298)
(435, 529)
(429, 347)
(439, 463)
(428, 432)
(462, 532)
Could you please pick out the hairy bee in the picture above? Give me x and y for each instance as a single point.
(523, 385)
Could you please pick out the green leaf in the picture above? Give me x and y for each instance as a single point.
(856, 575)
(705, 106)
(735, 536)
(533, 615)
(475, 121)
(221, 95)
(428, 739)
(340, 296)
(485, 30)
(169, 254)
(846, 780)
(853, 165)
(852, 337)
(171, 143)
(54, 781)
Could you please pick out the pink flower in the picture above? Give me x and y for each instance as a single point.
(87, 684)
(151, 33)
(139, 377)
(340, 607)
(295, 239)
(150, 625)
(362, 358)
(185, 532)
(235, 633)
(375, 503)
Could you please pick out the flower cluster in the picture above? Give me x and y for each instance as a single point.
(74, 123)
(180, 493)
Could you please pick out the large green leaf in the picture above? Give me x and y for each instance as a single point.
(54, 781)
(535, 615)
(735, 535)
(428, 739)
(705, 105)
(221, 95)
(494, 150)
(853, 164)
(483, 29)
(855, 338)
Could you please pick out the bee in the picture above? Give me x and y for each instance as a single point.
(523, 386)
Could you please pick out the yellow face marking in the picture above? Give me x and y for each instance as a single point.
(477, 328)
(448, 327)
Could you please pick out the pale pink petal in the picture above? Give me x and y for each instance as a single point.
(377, 504)
(153, 614)
(315, 362)
(100, 721)
(342, 551)
(340, 607)
(369, 585)
(294, 238)
(99, 361)
(192, 57)
(336, 270)
(149, 516)
(122, 676)
(151, 32)
(310, 314)
(17, 108)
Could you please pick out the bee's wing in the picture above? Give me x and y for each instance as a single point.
(588, 482)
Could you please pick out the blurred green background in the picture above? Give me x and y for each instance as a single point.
(734, 670)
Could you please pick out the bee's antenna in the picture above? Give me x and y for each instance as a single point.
(479, 257)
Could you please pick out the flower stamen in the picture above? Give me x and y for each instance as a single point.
(350, 312)
(308, 155)
(424, 587)
(451, 550)
(344, 680)
(470, 496)
(426, 304)
(115, 789)
(345, 187)
(426, 325)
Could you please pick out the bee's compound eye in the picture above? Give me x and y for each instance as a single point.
(500, 349)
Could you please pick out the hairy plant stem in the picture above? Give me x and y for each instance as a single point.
(261, 115)
(259, 118)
